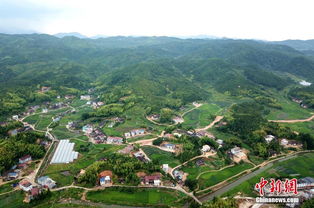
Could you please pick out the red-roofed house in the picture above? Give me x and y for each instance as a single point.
(25, 185)
(25, 159)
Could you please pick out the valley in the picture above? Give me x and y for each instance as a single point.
(174, 124)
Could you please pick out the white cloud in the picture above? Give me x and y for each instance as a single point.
(267, 19)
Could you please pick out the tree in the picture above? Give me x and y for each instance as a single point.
(220, 203)
(191, 183)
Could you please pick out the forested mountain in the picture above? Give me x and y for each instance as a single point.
(161, 71)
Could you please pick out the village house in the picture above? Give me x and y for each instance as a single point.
(200, 162)
(46, 182)
(72, 125)
(87, 129)
(111, 124)
(269, 138)
(165, 167)
(170, 146)
(152, 180)
(220, 141)
(238, 154)
(15, 117)
(32, 194)
(45, 110)
(98, 136)
(3, 123)
(105, 178)
(178, 119)
(13, 132)
(114, 140)
(45, 89)
(154, 117)
(206, 148)
(56, 119)
(25, 185)
(22, 166)
(85, 97)
(297, 100)
(134, 133)
(127, 150)
(12, 175)
(204, 134)
(178, 174)
(140, 156)
(168, 136)
(25, 159)
(68, 97)
(178, 133)
(57, 105)
(284, 142)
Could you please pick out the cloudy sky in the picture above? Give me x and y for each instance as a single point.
(252, 19)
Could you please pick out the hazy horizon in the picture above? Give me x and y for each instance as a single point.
(244, 19)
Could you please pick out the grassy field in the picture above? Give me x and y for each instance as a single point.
(135, 119)
(7, 187)
(201, 116)
(161, 156)
(304, 127)
(210, 164)
(138, 197)
(13, 200)
(290, 110)
(94, 153)
(212, 178)
(61, 132)
(298, 167)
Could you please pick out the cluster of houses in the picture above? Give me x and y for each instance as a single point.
(33, 191)
(16, 169)
(14, 132)
(283, 142)
(97, 136)
(290, 143)
(300, 102)
(202, 133)
(135, 133)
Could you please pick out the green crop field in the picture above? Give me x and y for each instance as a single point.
(212, 178)
(210, 164)
(201, 116)
(137, 197)
(161, 156)
(290, 110)
(304, 127)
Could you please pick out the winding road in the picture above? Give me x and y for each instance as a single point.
(294, 120)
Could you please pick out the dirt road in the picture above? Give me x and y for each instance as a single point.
(217, 119)
(294, 121)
